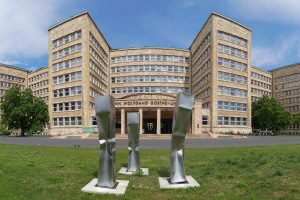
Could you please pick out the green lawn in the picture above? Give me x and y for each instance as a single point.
(228, 173)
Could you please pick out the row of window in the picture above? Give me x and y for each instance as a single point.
(287, 77)
(38, 77)
(98, 82)
(202, 46)
(148, 68)
(261, 77)
(66, 39)
(234, 78)
(66, 106)
(234, 106)
(173, 79)
(67, 51)
(232, 38)
(206, 105)
(232, 121)
(38, 84)
(46, 98)
(41, 91)
(289, 100)
(152, 57)
(261, 84)
(98, 58)
(201, 70)
(67, 64)
(201, 58)
(148, 89)
(94, 92)
(204, 94)
(201, 82)
(254, 98)
(232, 64)
(232, 51)
(292, 108)
(98, 70)
(65, 92)
(9, 85)
(287, 93)
(13, 78)
(67, 121)
(258, 91)
(65, 78)
(229, 91)
(287, 85)
(98, 46)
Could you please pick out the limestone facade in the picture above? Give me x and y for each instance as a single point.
(286, 90)
(261, 83)
(10, 76)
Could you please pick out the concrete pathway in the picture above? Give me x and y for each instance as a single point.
(156, 143)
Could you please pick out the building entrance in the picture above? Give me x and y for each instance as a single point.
(149, 126)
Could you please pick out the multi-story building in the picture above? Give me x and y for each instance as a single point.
(216, 69)
(261, 83)
(220, 63)
(286, 90)
(10, 76)
(78, 70)
(38, 81)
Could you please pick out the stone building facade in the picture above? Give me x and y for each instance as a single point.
(286, 90)
(216, 68)
(10, 76)
(261, 83)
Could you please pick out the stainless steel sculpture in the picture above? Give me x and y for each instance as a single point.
(133, 120)
(181, 122)
(105, 115)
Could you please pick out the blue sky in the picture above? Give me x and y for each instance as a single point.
(130, 23)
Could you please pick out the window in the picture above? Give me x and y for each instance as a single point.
(226, 105)
(220, 120)
(220, 105)
(220, 75)
(94, 121)
(232, 121)
(226, 120)
(73, 106)
(204, 120)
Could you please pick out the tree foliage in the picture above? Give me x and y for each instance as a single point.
(268, 114)
(22, 110)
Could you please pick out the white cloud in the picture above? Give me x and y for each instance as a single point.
(275, 55)
(285, 11)
(24, 28)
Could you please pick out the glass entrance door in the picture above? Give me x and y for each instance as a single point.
(149, 126)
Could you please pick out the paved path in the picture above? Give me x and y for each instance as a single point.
(155, 143)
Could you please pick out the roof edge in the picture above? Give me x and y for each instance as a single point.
(14, 67)
(78, 15)
(149, 47)
(217, 14)
(291, 65)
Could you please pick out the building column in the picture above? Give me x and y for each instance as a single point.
(122, 121)
(141, 120)
(158, 128)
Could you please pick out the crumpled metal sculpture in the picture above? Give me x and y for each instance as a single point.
(133, 120)
(181, 122)
(105, 115)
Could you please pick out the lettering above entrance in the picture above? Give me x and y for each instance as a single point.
(146, 100)
(145, 103)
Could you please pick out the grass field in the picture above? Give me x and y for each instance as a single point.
(228, 173)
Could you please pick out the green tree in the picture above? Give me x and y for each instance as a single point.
(21, 110)
(296, 119)
(268, 114)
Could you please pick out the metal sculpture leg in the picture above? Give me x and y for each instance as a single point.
(105, 115)
(181, 121)
(133, 120)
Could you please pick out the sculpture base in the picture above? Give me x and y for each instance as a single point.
(123, 170)
(120, 188)
(165, 183)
